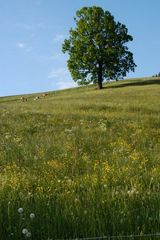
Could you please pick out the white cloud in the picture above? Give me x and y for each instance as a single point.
(58, 38)
(21, 45)
(24, 46)
(61, 78)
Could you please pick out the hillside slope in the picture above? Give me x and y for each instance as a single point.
(84, 161)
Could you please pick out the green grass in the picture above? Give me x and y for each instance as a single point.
(85, 162)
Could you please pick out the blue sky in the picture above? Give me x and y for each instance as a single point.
(32, 32)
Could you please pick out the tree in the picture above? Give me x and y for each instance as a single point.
(97, 47)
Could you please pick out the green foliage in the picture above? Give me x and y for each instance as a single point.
(97, 47)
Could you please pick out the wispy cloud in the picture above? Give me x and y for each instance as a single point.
(24, 46)
(61, 78)
(20, 45)
(58, 38)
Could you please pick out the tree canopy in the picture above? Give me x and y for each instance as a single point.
(97, 47)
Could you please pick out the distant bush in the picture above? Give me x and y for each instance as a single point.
(156, 75)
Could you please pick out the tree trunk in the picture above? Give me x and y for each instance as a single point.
(100, 78)
(100, 84)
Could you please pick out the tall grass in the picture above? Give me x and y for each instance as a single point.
(85, 162)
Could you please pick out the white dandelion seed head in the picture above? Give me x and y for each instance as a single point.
(28, 234)
(20, 210)
(69, 181)
(32, 216)
(24, 231)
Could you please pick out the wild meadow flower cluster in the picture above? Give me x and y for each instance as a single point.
(80, 163)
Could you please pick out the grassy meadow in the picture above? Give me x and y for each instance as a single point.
(81, 162)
